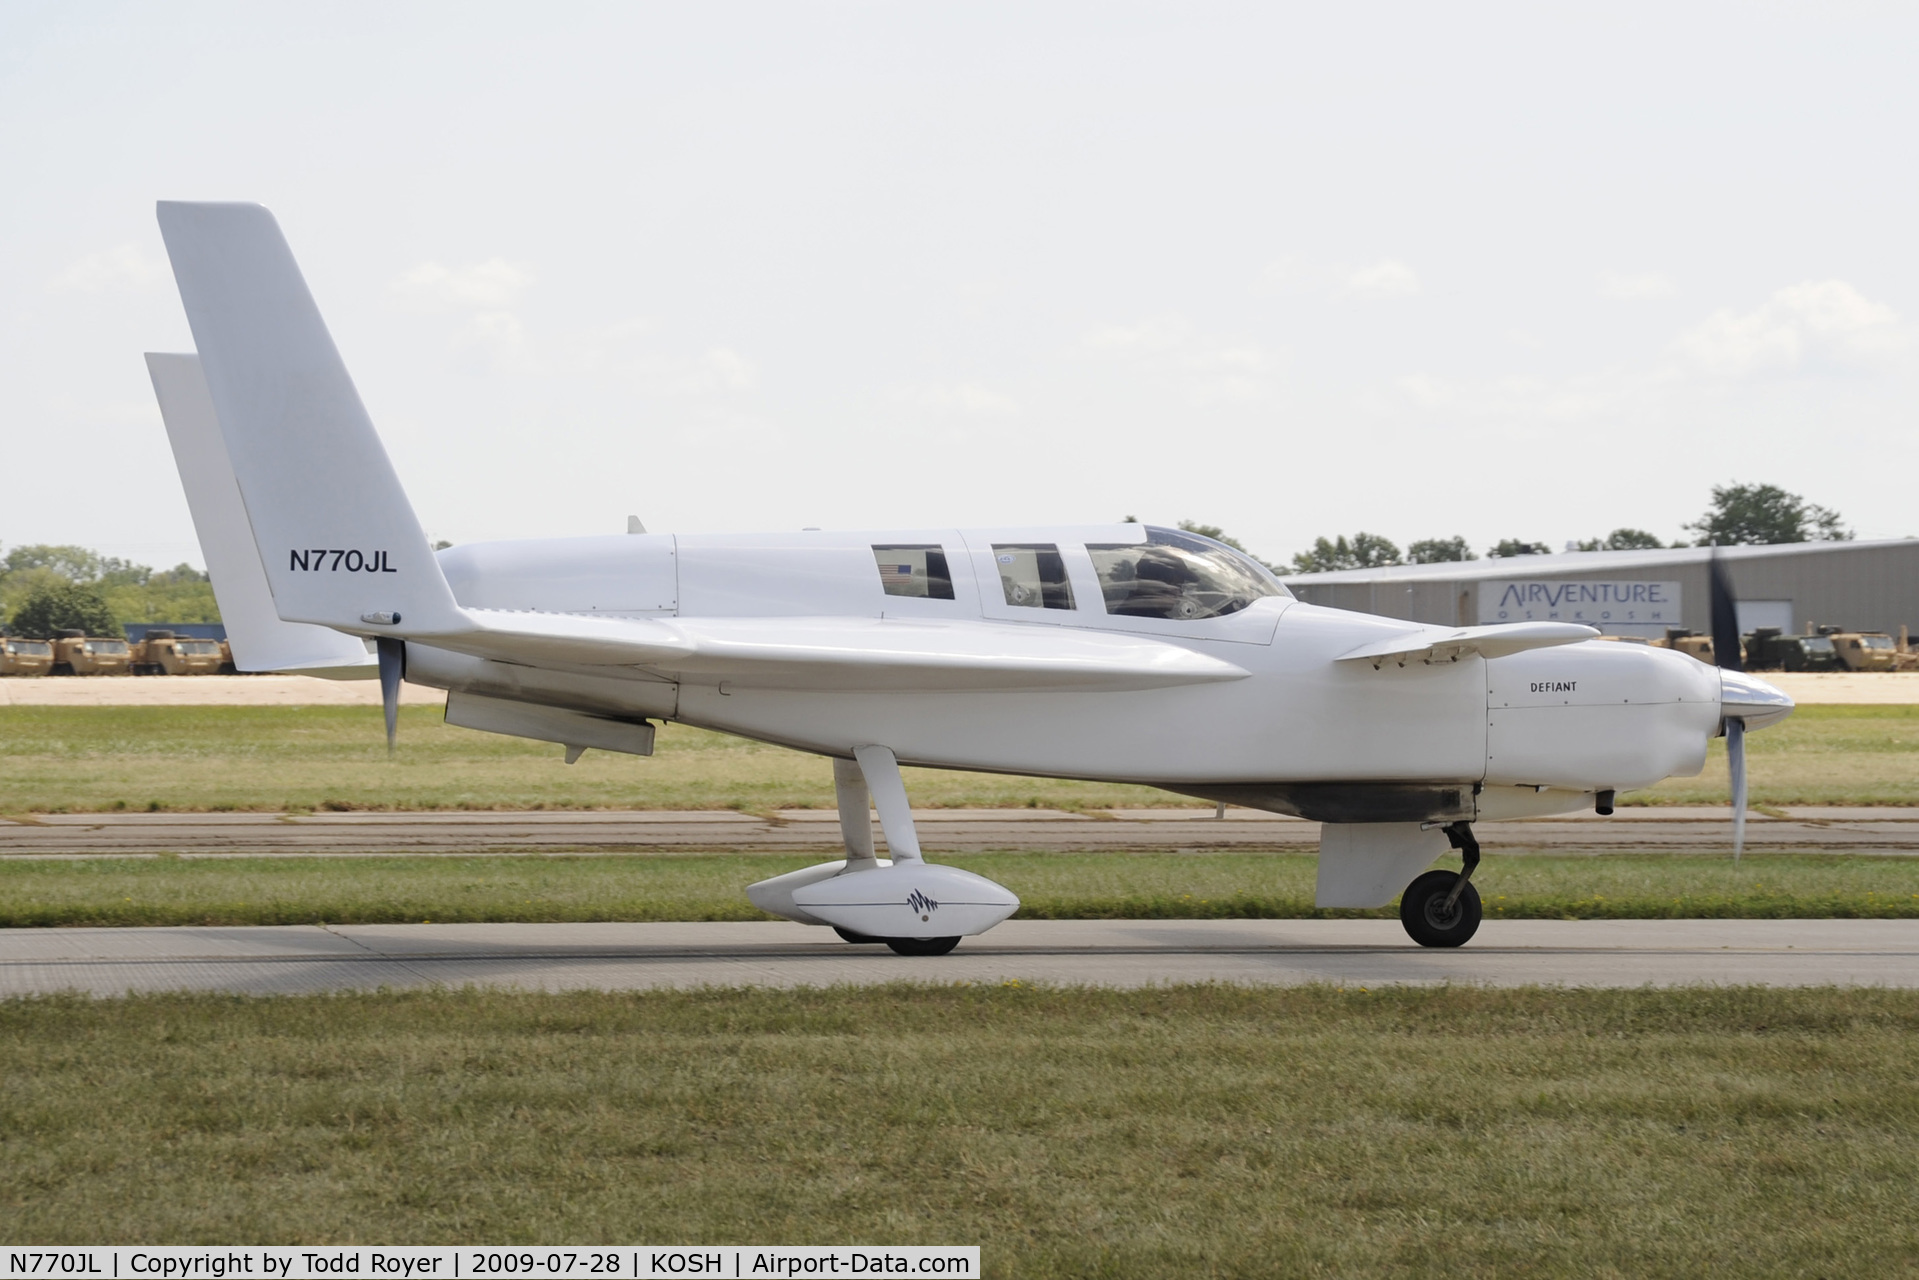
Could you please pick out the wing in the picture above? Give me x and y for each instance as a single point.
(1450, 644)
(841, 653)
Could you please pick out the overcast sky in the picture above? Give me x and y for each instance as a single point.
(1502, 271)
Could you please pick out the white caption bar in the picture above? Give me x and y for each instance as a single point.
(469, 1262)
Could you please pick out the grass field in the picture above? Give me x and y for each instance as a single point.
(1183, 1131)
(227, 891)
(96, 759)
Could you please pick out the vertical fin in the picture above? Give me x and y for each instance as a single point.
(336, 535)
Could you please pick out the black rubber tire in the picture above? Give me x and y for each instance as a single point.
(922, 946)
(847, 935)
(1421, 910)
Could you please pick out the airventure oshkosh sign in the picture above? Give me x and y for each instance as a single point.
(1610, 604)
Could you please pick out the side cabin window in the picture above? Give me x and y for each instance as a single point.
(1033, 575)
(1178, 575)
(916, 571)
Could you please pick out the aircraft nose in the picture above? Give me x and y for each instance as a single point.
(1743, 696)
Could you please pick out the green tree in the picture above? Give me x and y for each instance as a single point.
(1439, 551)
(75, 564)
(179, 594)
(1622, 540)
(1755, 514)
(1518, 547)
(61, 606)
(1365, 551)
(133, 592)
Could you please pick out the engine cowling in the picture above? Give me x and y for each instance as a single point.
(1598, 716)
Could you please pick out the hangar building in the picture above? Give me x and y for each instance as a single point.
(1862, 586)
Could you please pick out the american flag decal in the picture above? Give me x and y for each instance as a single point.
(895, 575)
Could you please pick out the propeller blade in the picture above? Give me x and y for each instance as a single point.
(392, 669)
(1736, 765)
(1725, 652)
(1725, 616)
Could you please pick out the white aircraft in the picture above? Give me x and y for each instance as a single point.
(1122, 653)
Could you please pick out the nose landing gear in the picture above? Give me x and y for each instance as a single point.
(1441, 908)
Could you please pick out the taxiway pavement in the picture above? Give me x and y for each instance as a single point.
(555, 957)
(1884, 831)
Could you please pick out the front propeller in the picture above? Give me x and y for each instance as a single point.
(1745, 701)
(1725, 652)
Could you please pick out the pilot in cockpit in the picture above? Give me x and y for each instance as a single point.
(1160, 579)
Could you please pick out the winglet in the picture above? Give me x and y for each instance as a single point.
(1450, 644)
(335, 533)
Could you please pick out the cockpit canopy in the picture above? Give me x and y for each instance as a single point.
(1178, 575)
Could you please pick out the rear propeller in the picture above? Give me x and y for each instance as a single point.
(1725, 652)
(392, 670)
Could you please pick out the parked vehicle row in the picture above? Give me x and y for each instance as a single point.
(74, 653)
(1825, 649)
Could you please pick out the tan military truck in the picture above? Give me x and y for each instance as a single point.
(79, 654)
(20, 657)
(1866, 650)
(1686, 642)
(162, 653)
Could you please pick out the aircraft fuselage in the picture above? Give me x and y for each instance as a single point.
(1539, 731)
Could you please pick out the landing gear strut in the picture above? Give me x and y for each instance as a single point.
(1441, 908)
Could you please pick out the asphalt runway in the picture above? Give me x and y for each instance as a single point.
(555, 957)
(1883, 831)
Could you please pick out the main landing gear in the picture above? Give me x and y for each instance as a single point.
(1441, 908)
(910, 906)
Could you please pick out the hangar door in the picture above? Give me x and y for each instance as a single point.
(1754, 614)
